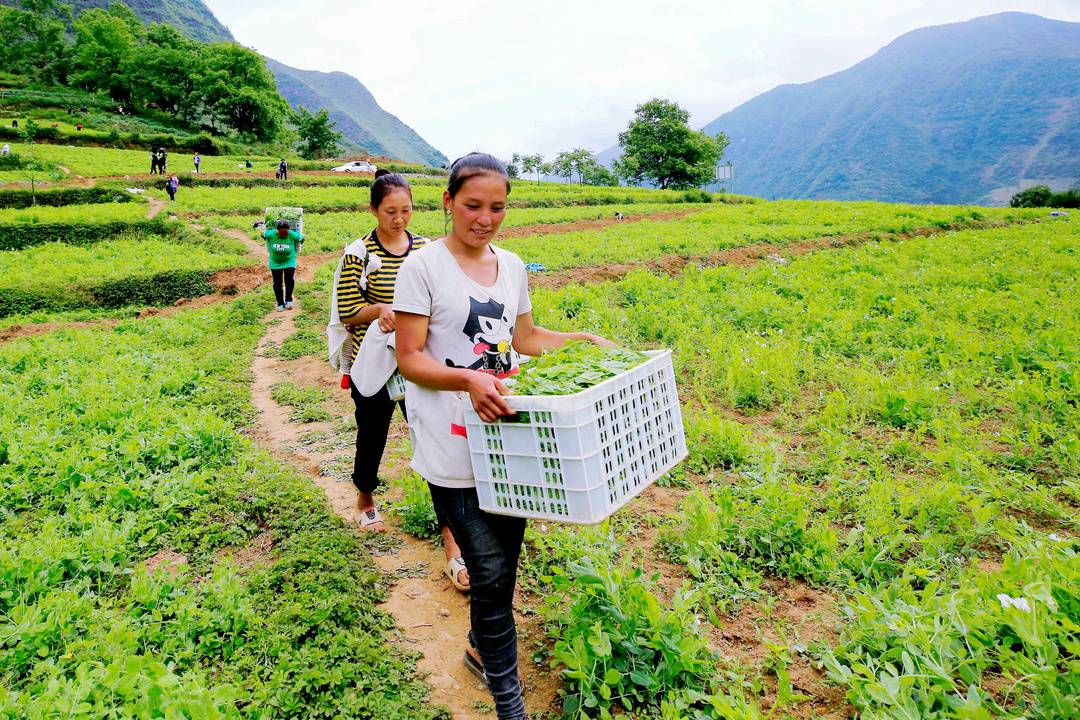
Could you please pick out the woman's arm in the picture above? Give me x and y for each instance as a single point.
(415, 365)
(532, 340)
(353, 307)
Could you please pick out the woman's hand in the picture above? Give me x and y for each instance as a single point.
(486, 393)
(596, 340)
(386, 318)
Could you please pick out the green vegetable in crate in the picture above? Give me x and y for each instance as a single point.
(575, 367)
(294, 215)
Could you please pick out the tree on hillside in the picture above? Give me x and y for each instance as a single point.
(593, 173)
(238, 89)
(318, 138)
(105, 40)
(659, 147)
(34, 40)
(571, 162)
(532, 164)
(513, 168)
(163, 71)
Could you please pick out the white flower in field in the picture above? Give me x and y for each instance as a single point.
(1018, 603)
(1056, 538)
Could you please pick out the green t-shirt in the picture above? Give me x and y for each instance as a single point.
(282, 250)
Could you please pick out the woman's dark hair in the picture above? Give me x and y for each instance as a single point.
(469, 166)
(385, 183)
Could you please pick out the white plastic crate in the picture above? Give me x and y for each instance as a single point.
(579, 458)
(395, 386)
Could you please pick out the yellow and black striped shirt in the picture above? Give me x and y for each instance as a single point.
(380, 286)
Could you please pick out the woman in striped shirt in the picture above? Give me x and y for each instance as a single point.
(391, 242)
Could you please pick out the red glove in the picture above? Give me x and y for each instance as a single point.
(345, 382)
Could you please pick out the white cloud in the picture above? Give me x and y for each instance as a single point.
(511, 76)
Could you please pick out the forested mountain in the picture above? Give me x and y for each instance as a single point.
(363, 123)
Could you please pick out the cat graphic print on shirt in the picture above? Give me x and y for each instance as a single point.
(469, 326)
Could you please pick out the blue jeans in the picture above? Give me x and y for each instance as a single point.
(490, 545)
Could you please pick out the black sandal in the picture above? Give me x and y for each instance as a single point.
(475, 667)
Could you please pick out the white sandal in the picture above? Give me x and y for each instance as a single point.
(453, 568)
(369, 517)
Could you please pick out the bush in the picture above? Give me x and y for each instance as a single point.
(697, 196)
(416, 510)
(11, 162)
(1040, 196)
(159, 289)
(19, 199)
(23, 235)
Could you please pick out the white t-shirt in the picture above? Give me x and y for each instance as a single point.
(469, 326)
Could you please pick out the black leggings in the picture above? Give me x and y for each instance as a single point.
(286, 275)
(373, 415)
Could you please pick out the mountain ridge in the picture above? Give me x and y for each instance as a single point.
(966, 112)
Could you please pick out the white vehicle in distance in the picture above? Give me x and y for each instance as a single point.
(356, 166)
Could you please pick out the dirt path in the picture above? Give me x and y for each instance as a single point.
(156, 206)
(254, 247)
(432, 616)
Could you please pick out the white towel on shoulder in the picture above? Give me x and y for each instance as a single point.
(375, 362)
(336, 332)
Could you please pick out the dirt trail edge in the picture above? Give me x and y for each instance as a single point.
(432, 617)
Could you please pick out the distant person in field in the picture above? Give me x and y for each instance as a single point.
(197, 160)
(458, 301)
(363, 296)
(283, 245)
(153, 162)
(163, 160)
(283, 169)
(172, 185)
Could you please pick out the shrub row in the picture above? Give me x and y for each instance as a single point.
(18, 199)
(23, 235)
(202, 142)
(159, 289)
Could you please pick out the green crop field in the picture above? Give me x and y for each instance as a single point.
(878, 516)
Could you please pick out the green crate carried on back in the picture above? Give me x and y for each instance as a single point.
(295, 216)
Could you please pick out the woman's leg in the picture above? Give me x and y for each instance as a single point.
(289, 274)
(278, 276)
(491, 546)
(450, 546)
(373, 415)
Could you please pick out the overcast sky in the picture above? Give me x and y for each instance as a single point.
(547, 75)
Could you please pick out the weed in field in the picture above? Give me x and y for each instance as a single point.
(306, 402)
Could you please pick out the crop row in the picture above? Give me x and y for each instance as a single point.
(874, 421)
(425, 197)
(333, 230)
(133, 270)
(154, 562)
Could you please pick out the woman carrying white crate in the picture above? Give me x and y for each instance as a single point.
(363, 293)
(461, 306)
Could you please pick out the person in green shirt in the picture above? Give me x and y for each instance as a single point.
(283, 245)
